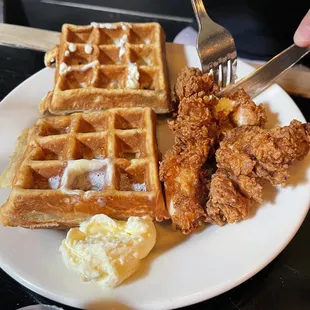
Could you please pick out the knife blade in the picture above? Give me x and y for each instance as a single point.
(264, 76)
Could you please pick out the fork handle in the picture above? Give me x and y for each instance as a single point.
(200, 11)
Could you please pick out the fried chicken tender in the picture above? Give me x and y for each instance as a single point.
(227, 202)
(202, 119)
(234, 111)
(195, 133)
(248, 157)
(191, 82)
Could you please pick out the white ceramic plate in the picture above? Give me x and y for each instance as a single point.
(180, 270)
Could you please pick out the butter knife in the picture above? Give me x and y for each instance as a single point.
(261, 78)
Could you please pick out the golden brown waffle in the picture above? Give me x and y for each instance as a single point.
(67, 168)
(103, 66)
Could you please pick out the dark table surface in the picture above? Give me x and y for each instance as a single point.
(283, 284)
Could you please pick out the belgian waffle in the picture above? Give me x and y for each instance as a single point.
(67, 168)
(103, 66)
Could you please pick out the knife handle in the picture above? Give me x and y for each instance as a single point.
(27, 37)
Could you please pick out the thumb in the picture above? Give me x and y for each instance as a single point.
(302, 34)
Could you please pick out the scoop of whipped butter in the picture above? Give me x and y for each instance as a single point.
(107, 251)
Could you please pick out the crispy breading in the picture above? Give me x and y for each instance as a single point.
(246, 112)
(191, 82)
(227, 202)
(247, 157)
(195, 133)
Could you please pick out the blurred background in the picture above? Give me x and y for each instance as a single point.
(261, 28)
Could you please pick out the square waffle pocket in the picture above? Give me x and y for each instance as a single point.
(68, 168)
(103, 66)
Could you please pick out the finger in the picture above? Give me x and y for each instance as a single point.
(302, 34)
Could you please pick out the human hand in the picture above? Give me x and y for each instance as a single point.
(302, 34)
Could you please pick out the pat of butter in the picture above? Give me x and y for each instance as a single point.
(107, 251)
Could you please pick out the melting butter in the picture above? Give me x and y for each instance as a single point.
(107, 251)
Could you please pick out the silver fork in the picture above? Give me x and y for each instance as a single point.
(216, 47)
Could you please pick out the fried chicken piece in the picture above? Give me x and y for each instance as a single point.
(191, 82)
(180, 172)
(247, 157)
(201, 120)
(245, 111)
(234, 111)
(237, 110)
(195, 133)
(228, 202)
